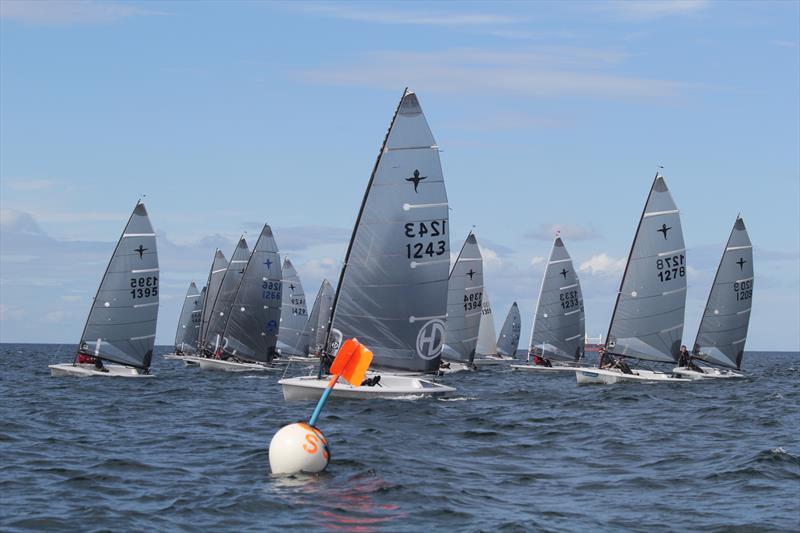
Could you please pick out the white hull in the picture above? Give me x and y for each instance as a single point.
(611, 376)
(85, 371)
(296, 359)
(707, 373)
(230, 366)
(391, 386)
(188, 360)
(546, 369)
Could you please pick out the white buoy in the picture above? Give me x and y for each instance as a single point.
(298, 448)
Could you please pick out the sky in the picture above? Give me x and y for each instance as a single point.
(550, 116)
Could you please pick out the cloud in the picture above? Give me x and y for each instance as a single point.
(785, 43)
(363, 12)
(491, 261)
(570, 232)
(55, 317)
(11, 312)
(12, 220)
(68, 12)
(602, 264)
(28, 184)
(533, 73)
(646, 10)
(537, 260)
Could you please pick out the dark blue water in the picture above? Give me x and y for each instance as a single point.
(511, 452)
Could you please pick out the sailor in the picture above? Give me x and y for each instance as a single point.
(86, 359)
(541, 361)
(685, 360)
(602, 363)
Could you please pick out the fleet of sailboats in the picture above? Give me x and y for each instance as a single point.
(398, 295)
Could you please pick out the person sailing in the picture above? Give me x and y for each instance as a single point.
(83, 358)
(613, 363)
(541, 361)
(685, 360)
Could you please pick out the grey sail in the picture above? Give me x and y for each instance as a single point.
(559, 324)
(464, 303)
(218, 267)
(186, 335)
(508, 341)
(487, 336)
(392, 290)
(647, 322)
(317, 325)
(292, 338)
(723, 328)
(197, 319)
(122, 322)
(251, 329)
(227, 290)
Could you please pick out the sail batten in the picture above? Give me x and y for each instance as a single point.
(558, 321)
(121, 325)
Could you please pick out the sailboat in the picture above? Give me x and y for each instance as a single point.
(318, 320)
(647, 322)
(392, 290)
(121, 327)
(464, 308)
(228, 285)
(723, 329)
(188, 324)
(249, 334)
(293, 339)
(486, 349)
(219, 265)
(508, 341)
(557, 336)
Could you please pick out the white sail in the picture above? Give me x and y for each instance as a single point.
(292, 339)
(487, 336)
(464, 303)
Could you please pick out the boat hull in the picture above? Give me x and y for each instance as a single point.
(455, 367)
(390, 387)
(546, 369)
(590, 376)
(188, 360)
(707, 373)
(231, 366)
(86, 371)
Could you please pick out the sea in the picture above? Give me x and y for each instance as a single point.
(510, 451)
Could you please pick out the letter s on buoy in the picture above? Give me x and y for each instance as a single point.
(312, 440)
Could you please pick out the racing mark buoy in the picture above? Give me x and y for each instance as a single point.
(298, 448)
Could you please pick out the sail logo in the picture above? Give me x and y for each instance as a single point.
(430, 339)
(272, 327)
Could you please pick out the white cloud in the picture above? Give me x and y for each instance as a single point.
(23, 184)
(55, 317)
(11, 312)
(785, 43)
(363, 12)
(491, 261)
(537, 260)
(68, 12)
(536, 72)
(603, 264)
(644, 10)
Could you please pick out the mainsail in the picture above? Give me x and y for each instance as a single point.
(647, 322)
(487, 336)
(218, 267)
(188, 322)
(392, 290)
(225, 295)
(723, 328)
(464, 303)
(559, 324)
(121, 326)
(253, 319)
(508, 341)
(317, 325)
(292, 338)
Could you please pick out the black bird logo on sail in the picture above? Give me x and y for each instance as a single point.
(741, 263)
(564, 273)
(415, 179)
(141, 249)
(664, 229)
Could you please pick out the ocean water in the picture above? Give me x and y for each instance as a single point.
(187, 451)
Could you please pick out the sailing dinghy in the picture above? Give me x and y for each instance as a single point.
(229, 284)
(392, 291)
(723, 329)
(508, 341)
(647, 322)
(188, 325)
(486, 349)
(464, 309)
(293, 339)
(557, 336)
(121, 327)
(250, 331)
(319, 318)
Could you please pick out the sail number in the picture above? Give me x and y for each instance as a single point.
(743, 289)
(425, 230)
(271, 290)
(670, 268)
(473, 301)
(144, 287)
(569, 299)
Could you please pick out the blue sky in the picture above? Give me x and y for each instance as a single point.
(549, 115)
